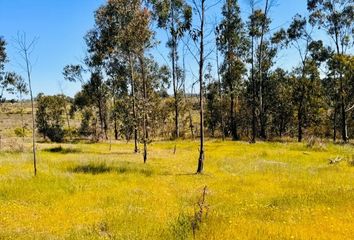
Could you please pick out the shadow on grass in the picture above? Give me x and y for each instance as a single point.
(101, 168)
(91, 169)
(63, 150)
(60, 149)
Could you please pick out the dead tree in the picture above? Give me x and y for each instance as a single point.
(25, 49)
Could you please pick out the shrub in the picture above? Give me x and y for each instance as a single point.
(55, 134)
(20, 132)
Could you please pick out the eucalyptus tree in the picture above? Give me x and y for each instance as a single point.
(340, 65)
(261, 58)
(118, 78)
(92, 77)
(140, 28)
(3, 59)
(251, 59)
(175, 16)
(5, 85)
(149, 96)
(219, 83)
(336, 17)
(299, 37)
(94, 87)
(198, 36)
(3, 56)
(281, 103)
(123, 30)
(232, 43)
(214, 104)
(263, 21)
(83, 101)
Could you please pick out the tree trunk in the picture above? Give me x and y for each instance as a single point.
(134, 108)
(335, 124)
(115, 128)
(22, 120)
(67, 116)
(201, 66)
(344, 120)
(100, 115)
(220, 96)
(191, 126)
(300, 120)
(233, 118)
(105, 121)
(261, 104)
(174, 72)
(254, 91)
(145, 132)
(32, 108)
(341, 92)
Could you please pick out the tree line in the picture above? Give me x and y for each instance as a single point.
(125, 91)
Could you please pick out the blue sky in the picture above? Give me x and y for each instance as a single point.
(61, 25)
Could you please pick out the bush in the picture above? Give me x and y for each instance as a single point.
(55, 134)
(20, 132)
(50, 115)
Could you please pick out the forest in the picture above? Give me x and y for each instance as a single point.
(256, 148)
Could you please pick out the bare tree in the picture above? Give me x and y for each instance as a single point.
(219, 81)
(198, 35)
(25, 49)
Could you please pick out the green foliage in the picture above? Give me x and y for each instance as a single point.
(85, 127)
(3, 60)
(20, 132)
(214, 108)
(73, 73)
(50, 116)
(336, 17)
(175, 16)
(281, 104)
(233, 44)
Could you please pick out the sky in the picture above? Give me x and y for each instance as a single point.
(60, 26)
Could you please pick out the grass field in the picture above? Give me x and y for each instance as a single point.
(262, 191)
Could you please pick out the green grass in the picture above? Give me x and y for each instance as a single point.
(261, 191)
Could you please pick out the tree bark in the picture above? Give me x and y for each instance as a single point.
(201, 89)
(299, 117)
(220, 95)
(134, 107)
(254, 92)
(32, 108)
(145, 131)
(341, 92)
(335, 124)
(233, 118)
(174, 71)
(261, 105)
